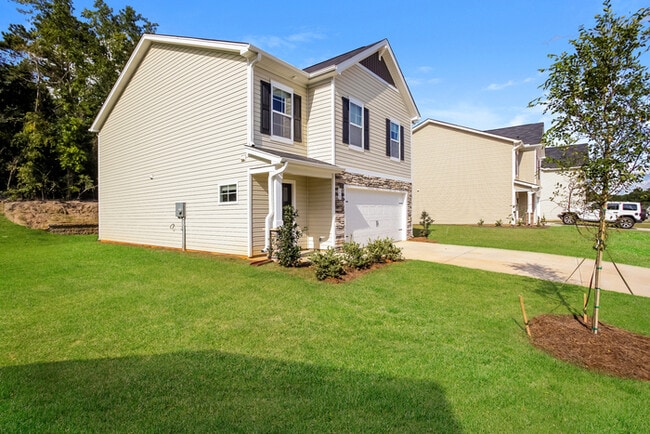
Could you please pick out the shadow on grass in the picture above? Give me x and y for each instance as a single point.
(558, 292)
(212, 391)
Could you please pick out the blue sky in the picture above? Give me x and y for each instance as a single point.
(469, 62)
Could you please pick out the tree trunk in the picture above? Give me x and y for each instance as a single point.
(600, 247)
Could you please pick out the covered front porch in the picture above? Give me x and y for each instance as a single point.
(526, 203)
(286, 179)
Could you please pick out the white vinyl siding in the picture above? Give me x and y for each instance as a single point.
(174, 135)
(383, 102)
(460, 177)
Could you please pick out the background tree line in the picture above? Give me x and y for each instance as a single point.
(55, 73)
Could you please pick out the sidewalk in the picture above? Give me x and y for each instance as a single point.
(538, 265)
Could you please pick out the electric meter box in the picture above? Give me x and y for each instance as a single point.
(180, 210)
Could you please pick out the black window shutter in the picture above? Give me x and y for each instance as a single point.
(265, 99)
(388, 137)
(366, 129)
(297, 118)
(401, 142)
(346, 120)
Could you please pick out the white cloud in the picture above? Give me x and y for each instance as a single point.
(290, 42)
(424, 69)
(500, 86)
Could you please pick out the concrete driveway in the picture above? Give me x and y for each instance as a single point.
(538, 265)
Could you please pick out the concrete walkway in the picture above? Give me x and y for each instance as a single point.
(538, 265)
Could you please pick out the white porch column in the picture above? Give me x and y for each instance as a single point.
(277, 198)
(529, 209)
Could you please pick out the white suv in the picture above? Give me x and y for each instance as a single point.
(624, 214)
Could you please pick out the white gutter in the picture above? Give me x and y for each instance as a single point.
(270, 217)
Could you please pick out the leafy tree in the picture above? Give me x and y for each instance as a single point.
(73, 62)
(600, 92)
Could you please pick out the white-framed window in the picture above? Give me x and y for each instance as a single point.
(356, 124)
(281, 112)
(228, 193)
(394, 140)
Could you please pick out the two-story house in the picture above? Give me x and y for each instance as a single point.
(234, 134)
(462, 175)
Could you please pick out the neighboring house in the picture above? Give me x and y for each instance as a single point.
(463, 176)
(236, 133)
(561, 191)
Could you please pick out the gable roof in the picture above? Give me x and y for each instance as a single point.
(529, 134)
(566, 156)
(466, 130)
(377, 57)
(331, 67)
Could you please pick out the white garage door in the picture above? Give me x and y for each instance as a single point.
(372, 214)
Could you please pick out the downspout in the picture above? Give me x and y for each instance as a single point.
(251, 98)
(268, 221)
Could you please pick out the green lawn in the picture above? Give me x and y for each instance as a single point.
(625, 246)
(99, 337)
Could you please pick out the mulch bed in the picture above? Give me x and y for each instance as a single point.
(612, 351)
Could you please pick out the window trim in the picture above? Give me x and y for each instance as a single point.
(280, 86)
(228, 184)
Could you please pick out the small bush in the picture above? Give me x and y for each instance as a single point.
(382, 250)
(328, 264)
(425, 221)
(355, 256)
(480, 222)
(498, 223)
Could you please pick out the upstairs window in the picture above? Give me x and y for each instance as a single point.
(281, 112)
(281, 125)
(356, 124)
(394, 140)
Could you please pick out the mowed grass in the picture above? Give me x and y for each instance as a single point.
(624, 246)
(100, 337)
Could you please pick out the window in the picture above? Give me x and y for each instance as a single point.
(356, 124)
(394, 140)
(612, 206)
(630, 207)
(228, 193)
(281, 112)
(281, 125)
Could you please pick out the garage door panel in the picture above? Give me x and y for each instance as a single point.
(373, 214)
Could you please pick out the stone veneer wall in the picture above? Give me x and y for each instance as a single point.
(346, 178)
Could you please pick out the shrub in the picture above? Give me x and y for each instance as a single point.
(382, 250)
(480, 222)
(425, 221)
(355, 256)
(328, 264)
(287, 249)
(498, 223)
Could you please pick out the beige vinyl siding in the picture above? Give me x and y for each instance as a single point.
(320, 217)
(264, 140)
(319, 118)
(528, 167)
(460, 177)
(175, 135)
(260, 209)
(383, 101)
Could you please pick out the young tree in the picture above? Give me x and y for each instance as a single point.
(601, 92)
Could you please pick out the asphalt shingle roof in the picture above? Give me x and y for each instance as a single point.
(565, 156)
(338, 59)
(530, 134)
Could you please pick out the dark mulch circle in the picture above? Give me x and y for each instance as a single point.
(612, 351)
